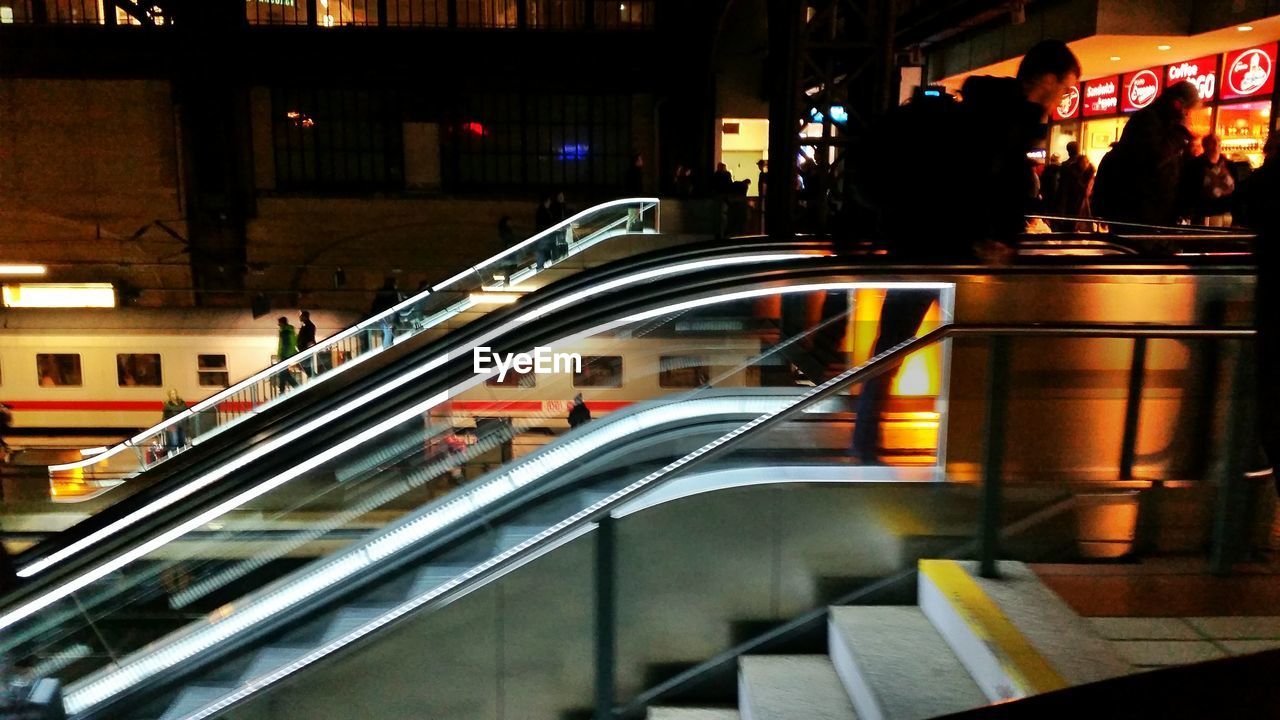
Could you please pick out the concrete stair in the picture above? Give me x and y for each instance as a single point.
(969, 642)
(791, 687)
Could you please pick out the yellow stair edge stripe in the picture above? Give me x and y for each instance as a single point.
(1017, 656)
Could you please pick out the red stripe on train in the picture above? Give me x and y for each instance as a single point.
(112, 405)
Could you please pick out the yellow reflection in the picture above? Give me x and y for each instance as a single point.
(921, 373)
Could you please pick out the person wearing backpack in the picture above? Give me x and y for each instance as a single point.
(953, 212)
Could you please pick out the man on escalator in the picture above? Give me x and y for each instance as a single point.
(956, 212)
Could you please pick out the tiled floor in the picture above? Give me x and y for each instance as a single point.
(1173, 611)
(1158, 642)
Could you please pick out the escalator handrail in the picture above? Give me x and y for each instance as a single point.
(584, 520)
(643, 204)
(486, 327)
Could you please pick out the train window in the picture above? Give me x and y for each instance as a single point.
(58, 369)
(138, 369)
(212, 370)
(599, 371)
(683, 371)
(513, 379)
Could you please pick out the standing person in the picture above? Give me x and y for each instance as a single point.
(579, 414)
(1258, 209)
(633, 184)
(1075, 182)
(306, 339)
(386, 298)
(507, 240)
(175, 434)
(1050, 182)
(1210, 184)
(6, 422)
(1140, 180)
(542, 220)
(559, 213)
(721, 180)
(977, 209)
(286, 347)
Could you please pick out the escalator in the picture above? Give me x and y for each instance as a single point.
(268, 562)
(193, 475)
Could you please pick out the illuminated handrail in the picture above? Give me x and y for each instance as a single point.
(426, 310)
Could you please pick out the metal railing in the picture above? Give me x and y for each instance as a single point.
(598, 517)
(430, 309)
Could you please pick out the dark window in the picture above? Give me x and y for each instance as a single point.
(599, 371)
(138, 370)
(212, 370)
(58, 369)
(337, 140)
(277, 12)
(623, 14)
(683, 371)
(430, 13)
(554, 14)
(487, 13)
(513, 379)
(516, 141)
(74, 11)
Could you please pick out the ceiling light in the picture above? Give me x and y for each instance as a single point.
(25, 270)
(1245, 28)
(1164, 47)
(1115, 58)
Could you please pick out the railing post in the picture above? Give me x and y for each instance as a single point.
(606, 616)
(1133, 408)
(993, 455)
(1230, 513)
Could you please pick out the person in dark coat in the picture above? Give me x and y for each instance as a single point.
(579, 414)
(1140, 180)
(1257, 208)
(974, 209)
(386, 298)
(1075, 182)
(721, 180)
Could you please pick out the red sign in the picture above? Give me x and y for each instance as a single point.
(1203, 73)
(1069, 106)
(1101, 97)
(1141, 89)
(1249, 73)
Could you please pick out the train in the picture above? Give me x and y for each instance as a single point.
(108, 371)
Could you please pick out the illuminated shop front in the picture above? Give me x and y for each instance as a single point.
(1237, 89)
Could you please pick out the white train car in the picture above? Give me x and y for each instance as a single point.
(107, 369)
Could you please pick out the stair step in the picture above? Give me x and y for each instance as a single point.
(692, 713)
(791, 687)
(1014, 635)
(895, 665)
(193, 698)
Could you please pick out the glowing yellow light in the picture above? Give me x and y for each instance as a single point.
(1164, 47)
(494, 298)
(59, 295)
(1245, 28)
(1115, 58)
(23, 269)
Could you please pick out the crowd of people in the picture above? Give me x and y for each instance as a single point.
(1158, 173)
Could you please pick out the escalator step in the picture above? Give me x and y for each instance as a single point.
(350, 618)
(194, 698)
(431, 576)
(272, 658)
